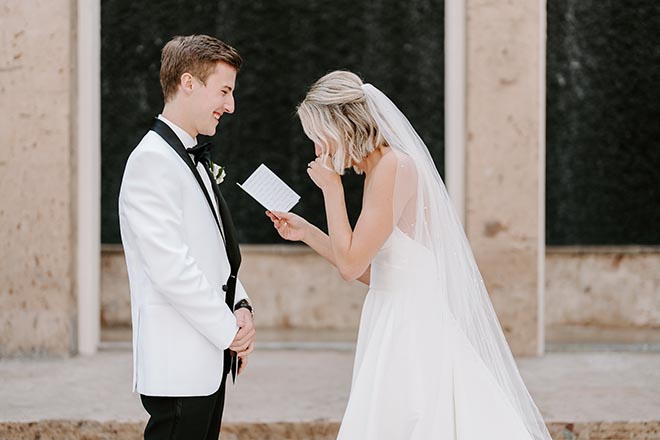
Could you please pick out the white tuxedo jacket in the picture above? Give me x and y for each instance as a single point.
(177, 265)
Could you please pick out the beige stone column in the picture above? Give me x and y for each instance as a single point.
(505, 157)
(37, 178)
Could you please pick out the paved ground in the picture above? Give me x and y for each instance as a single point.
(309, 385)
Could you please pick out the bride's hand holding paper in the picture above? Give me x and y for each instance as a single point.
(290, 226)
(278, 198)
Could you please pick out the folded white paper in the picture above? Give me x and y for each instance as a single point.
(269, 190)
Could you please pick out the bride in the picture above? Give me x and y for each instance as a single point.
(431, 359)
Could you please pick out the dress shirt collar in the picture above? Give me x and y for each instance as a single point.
(187, 140)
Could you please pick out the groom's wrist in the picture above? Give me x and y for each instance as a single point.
(244, 304)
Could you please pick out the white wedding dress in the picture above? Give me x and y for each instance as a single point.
(431, 362)
(415, 375)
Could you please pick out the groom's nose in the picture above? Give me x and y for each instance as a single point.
(229, 105)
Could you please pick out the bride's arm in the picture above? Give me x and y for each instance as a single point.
(320, 242)
(352, 250)
(292, 227)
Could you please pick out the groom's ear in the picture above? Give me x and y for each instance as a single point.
(186, 83)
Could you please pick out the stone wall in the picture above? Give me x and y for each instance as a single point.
(607, 287)
(502, 160)
(292, 287)
(37, 174)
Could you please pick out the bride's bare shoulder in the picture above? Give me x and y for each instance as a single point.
(389, 159)
(385, 169)
(405, 166)
(392, 165)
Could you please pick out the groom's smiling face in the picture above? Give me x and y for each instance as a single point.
(210, 100)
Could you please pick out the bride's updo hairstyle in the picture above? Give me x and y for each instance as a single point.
(335, 113)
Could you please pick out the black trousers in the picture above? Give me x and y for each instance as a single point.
(185, 418)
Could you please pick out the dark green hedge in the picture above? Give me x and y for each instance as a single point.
(398, 46)
(603, 122)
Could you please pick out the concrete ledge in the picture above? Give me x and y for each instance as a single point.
(93, 430)
(302, 394)
(605, 431)
(317, 430)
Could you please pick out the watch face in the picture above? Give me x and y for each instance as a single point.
(245, 305)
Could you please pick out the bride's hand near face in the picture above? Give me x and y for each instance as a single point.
(323, 175)
(290, 226)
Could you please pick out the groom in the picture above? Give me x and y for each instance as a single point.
(192, 320)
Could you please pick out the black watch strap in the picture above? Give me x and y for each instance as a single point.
(244, 304)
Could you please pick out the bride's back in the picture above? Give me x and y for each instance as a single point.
(402, 261)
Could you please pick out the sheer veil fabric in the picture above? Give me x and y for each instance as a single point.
(424, 213)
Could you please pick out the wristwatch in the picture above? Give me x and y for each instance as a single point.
(244, 304)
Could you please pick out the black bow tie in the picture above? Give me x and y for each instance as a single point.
(201, 153)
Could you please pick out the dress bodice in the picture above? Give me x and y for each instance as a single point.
(401, 263)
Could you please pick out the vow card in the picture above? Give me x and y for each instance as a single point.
(269, 190)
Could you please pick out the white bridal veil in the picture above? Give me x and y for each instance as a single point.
(433, 223)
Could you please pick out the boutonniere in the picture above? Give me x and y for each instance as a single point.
(218, 173)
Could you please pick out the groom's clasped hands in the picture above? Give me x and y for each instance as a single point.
(243, 343)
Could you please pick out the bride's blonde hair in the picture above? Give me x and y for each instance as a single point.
(335, 112)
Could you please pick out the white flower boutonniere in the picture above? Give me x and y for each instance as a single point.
(218, 172)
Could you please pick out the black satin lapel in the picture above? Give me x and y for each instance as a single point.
(164, 131)
(231, 237)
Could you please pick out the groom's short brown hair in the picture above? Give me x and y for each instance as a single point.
(195, 54)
